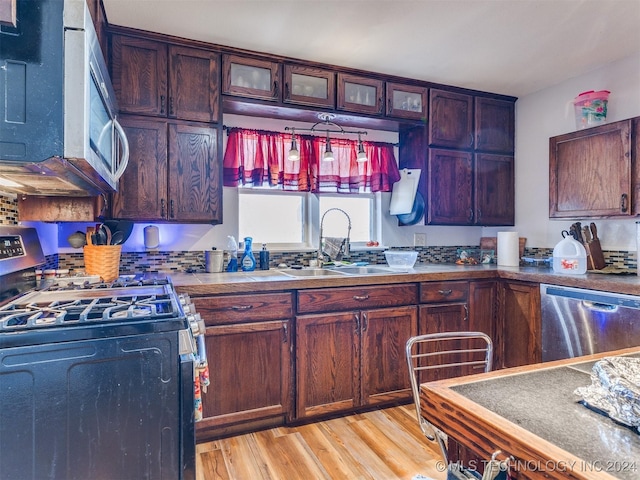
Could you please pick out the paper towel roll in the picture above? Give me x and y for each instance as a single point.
(508, 249)
(151, 236)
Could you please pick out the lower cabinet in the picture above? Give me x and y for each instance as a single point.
(457, 306)
(354, 357)
(249, 353)
(519, 331)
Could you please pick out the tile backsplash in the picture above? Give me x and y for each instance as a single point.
(193, 261)
(8, 210)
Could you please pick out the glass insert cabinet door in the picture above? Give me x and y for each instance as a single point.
(249, 77)
(406, 101)
(309, 86)
(360, 94)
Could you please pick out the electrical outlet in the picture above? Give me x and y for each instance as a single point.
(419, 239)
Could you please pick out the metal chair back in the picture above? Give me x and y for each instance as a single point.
(444, 355)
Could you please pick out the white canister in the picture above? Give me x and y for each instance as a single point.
(151, 236)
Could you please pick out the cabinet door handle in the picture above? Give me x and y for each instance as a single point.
(361, 298)
(445, 293)
(170, 105)
(365, 321)
(479, 215)
(286, 89)
(471, 139)
(240, 308)
(381, 103)
(471, 215)
(162, 104)
(172, 214)
(275, 88)
(357, 319)
(624, 202)
(284, 333)
(466, 313)
(390, 106)
(163, 208)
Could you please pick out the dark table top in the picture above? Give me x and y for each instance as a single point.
(543, 403)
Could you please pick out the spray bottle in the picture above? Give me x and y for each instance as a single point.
(232, 248)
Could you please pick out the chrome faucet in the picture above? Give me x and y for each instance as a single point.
(345, 249)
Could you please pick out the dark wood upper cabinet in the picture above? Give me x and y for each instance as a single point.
(309, 86)
(450, 187)
(494, 189)
(250, 77)
(139, 75)
(494, 125)
(450, 119)
(406, 101)
(360, 94)
(173, 173)
(142, 192)
(153, 78)
(590, 172)
(193, 84)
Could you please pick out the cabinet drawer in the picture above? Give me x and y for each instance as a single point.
(339, 299)
(438, 292)
(225, 309)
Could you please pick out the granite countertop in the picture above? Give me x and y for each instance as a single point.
(274, 280)
(532, 413)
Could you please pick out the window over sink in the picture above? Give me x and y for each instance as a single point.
(287, 220)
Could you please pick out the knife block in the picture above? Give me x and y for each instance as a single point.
(595, 257)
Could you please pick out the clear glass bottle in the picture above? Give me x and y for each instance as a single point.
(248, 261)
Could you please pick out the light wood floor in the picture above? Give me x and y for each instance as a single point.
(380, 445)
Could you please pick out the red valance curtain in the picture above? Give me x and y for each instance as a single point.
(255, 158)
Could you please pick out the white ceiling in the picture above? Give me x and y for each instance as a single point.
(512, 47)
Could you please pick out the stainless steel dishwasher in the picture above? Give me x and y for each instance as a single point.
(577, 321)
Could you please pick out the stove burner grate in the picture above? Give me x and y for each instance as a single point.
(82, 311)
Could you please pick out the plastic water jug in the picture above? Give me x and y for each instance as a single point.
(569, 256)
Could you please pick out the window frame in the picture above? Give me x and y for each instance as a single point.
(311, 218)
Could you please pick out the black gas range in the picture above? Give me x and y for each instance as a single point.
(97, 380)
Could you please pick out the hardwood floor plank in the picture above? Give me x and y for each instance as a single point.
(240, 459)
(212, 466)
(287, 457)
(378, 445)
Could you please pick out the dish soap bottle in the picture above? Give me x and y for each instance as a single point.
(264, 257)
(248, 262)
(232, 247)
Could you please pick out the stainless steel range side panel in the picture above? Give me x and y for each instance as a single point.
(580, 322)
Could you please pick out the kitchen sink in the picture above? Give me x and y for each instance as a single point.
(310, 272)
(366, 270)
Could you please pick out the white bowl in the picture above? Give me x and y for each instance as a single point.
(401, 258)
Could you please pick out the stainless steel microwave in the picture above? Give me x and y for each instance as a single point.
(91, 128)
(60, 133)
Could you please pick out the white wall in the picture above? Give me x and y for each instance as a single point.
(548, 113)
(539, 116)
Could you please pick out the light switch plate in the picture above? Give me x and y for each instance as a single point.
(419, 239)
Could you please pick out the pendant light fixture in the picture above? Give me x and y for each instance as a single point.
(294, 154)
(326, 120)
(362, 156)
(328, 153)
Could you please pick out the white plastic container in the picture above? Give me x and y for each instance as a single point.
(569, 256)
